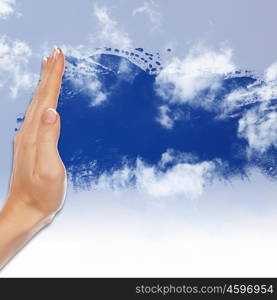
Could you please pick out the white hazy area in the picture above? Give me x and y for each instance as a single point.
(223, 233)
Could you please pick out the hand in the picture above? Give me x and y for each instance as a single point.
(38, 181)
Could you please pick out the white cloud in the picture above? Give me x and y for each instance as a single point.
(84, 75)
(262, 91)
(259, 127)
(181, 81)
(163, 118)
(259, 124)
(99, 97)
(110, 32)
(185, 179)
(149, 8)
(167, 116)
(259, 93)
(6, 8)
(271, 72)
(14, 59)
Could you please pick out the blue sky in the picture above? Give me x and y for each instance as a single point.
(179, 132)
(196, 112)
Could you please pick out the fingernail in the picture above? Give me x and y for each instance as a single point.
(56, 52)
(50, 116)
(44, 61)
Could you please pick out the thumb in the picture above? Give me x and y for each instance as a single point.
(48, 136)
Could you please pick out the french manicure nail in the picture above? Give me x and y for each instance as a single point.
(50, 116)
(56, 52)
(44, 60)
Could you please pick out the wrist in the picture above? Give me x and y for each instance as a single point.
(18, 223)
(22, 217)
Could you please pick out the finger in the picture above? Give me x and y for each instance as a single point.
(50, 87)
(47, 93)
(46, 67)
(48, 160)
(43, 68)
